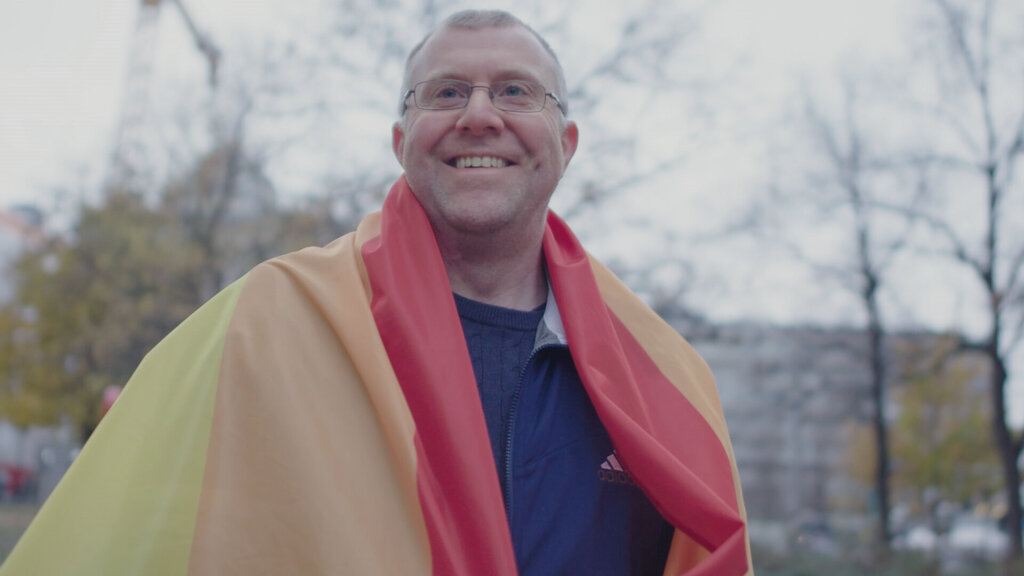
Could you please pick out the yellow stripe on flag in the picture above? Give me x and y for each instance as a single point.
(128, 504)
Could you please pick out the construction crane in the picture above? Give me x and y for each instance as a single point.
(129, 169)
(203, 43)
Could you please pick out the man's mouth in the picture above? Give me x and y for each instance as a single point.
(479, 162)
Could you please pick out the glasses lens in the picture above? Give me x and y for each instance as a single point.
(509, 95)
(441, 94)
(518, 96)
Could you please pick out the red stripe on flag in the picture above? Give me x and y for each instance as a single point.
(662, 440)
(418, 323)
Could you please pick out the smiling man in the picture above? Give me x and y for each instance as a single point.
(454, 388)
(484, 143)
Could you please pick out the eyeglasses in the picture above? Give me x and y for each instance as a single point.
(507, 95)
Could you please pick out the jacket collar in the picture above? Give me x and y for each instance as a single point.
(551, 330)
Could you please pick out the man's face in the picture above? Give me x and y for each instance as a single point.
(534, 148)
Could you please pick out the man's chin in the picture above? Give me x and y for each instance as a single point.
(477, 224)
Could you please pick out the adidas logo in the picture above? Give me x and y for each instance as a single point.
(611, 471)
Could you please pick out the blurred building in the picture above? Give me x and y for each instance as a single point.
(792, 397)
(787, 394)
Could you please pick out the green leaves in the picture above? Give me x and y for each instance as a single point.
(86, 310)
(942, 439)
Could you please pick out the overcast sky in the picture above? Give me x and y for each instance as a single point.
(63, 65)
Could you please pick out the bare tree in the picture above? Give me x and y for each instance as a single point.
(835, 202)
(973, 119)
(963, 154)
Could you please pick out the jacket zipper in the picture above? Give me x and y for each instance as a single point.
(511, 428)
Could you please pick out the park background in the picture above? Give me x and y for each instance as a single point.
(822, 196)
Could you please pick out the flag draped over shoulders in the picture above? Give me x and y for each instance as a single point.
(320, 416)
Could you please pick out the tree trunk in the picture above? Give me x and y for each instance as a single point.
(877, 345)
(1009, 452)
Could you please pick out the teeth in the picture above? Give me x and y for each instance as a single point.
(479, 162)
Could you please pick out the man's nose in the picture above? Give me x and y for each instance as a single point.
(480, 115)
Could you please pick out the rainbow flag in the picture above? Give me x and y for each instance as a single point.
(320, 416)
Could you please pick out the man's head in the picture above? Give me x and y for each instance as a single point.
(477, 20)
(479, 168)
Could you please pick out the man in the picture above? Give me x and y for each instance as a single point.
(455, 388)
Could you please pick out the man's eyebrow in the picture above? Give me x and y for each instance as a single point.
(444, 75)
(516, 74)
(501, 74)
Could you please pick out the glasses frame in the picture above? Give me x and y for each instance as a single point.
(472, 87)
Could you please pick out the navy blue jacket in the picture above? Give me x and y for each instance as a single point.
(570, 506)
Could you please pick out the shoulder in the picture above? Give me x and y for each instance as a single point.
(641, 321)
(670, 352)
(312, 260)
(314, 269)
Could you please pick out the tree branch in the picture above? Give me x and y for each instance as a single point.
(942, 227)
(956, 28)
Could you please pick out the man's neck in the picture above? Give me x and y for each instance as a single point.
(507, 274)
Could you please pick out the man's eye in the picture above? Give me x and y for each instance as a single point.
(514, 90)
(447, 91)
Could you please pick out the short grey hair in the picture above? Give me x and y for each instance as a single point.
(477, 20)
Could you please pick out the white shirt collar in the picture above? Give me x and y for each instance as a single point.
(552, 319)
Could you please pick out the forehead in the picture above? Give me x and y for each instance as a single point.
(483, 55)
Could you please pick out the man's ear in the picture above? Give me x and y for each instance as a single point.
(570, 139)
(397, 141)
